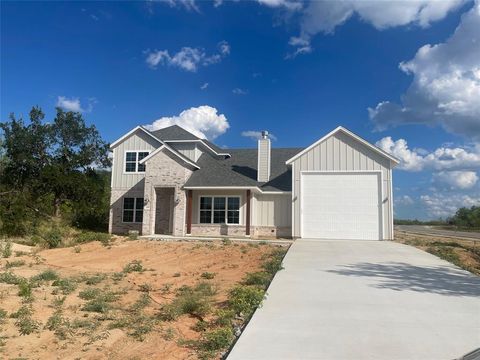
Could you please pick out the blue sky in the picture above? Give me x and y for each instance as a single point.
(297, 69)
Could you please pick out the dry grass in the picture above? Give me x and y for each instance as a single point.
(463, 253)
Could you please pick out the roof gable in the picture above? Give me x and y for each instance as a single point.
(351, 135)
(174, 132)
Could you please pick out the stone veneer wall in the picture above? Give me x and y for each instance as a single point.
(271, 231)
(239, 230)
(165, 170)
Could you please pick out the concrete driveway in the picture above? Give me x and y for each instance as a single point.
(364, 300)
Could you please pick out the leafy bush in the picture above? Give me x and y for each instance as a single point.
(90, 236)
(15, 263)
(10, 278)
(208, 275)
(99, 300)
(224, 317)
(66, 286)
(89, 294)
(95, 279)
(6, 249)
(275, 263)
(59, 325)
(259, 278)
(217, 339)
(47, 275)
(145, 288)
(53, 238)
(133, 266)
(24, 321)
(245, 299)
(25, 290)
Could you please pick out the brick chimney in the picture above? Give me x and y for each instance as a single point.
(263, 172)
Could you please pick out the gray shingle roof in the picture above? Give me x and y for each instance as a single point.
(174, 132)
(241, 170)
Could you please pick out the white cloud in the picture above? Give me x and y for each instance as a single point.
(256, 135)
(189, 5)
(443, 158)
(204, 86)
(238, 91)
(203, 121)
(74, 104)
(188, 59)
(404, 200)
(442, 205)
(456, 179)
(287, 4)
(446, 84)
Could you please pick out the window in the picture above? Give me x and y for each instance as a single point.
(219, 210)
(132, 159)
(133, 210)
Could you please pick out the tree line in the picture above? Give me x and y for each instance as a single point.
(464, 218)
(52, 170)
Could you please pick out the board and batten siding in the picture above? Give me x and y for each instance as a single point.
(136, 142)
(190, 150)
(272, 210)
(340, 152)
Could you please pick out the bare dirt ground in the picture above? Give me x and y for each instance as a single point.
(461, 252)
(82, 334)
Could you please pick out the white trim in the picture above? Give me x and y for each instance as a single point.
(136, 172)
(293, 200)
(118, 141)
(254, 188)
(276, 192)
(390, 182)
(381, 192)
(165, 146)
(113, 167)
(352, 135)
(240, 210)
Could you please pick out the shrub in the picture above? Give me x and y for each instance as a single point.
(97, 305)
(95, 279)
(24, 321)
(245, 299)
(89, 236)
(10, 278)
(25, 289)
(3, 316)
(53, 238)
(217, 339)
(208, 275)
(275, 264)
(20, 253)
(133, 235)
(226, 241)
(77, 249)
(259, 278)
(66, 286)
(89, 294)
(145, 288)
(224, 317)
(6, 249)
(46, 275)
(15, 263)
(133, 266)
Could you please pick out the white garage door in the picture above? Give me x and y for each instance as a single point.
(341, 205)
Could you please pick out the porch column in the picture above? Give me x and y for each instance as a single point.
(189, 211)
(247, 220)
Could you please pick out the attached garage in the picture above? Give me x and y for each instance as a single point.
(342, 189)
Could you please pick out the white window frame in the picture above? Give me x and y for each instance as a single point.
(226, 209)
(134, 209)
(125, 172)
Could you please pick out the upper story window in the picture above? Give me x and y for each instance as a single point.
(132, 159)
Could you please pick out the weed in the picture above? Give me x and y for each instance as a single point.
(217, 339)
(90, 236)
(168, 334)
(133, 235)
(260, 278)
(97, 305)
(275, 264)
(89, 294)
(177, 274)
(24, 321)
(15, 263)
(224, 317)
(20, 253)
(95, 279)
(245, 299)
(47, 275)
(145, 288)
(263, 242)
(200, 326)
(226, 241)
(77, 249)
(445, 253)
(195, 301)
(208, 275)
(165, 289)
(118, 276)
(59, 325)
(133, 266)
(25, 290)
(66, 286)
(3, 316)
(6, 249)
(58, 301)
(53, 238)
(10, 278)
